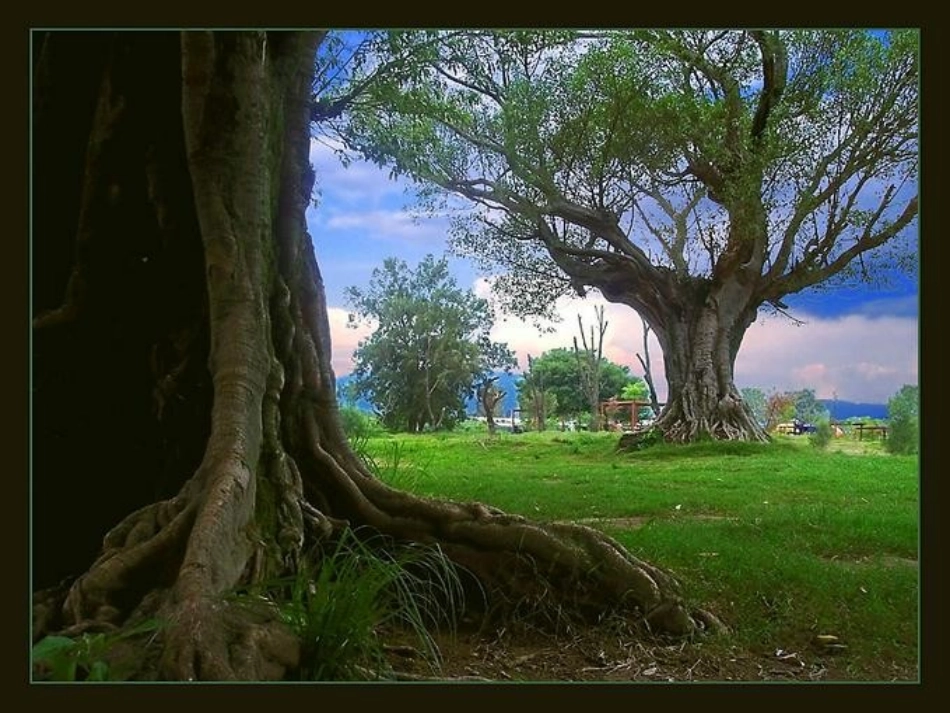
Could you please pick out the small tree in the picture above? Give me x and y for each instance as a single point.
(494, 356)
(489, 397)
(779, 407)
(535, 397)
(903, 412)
(639, 390)
(429, 347)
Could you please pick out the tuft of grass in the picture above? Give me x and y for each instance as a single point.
(395, 468)
(341, 600)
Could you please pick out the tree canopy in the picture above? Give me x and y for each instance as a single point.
(559, 372)
(693, 175)
(429, 345)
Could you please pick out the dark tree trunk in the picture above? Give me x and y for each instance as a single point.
(699, 323)
(186, 432)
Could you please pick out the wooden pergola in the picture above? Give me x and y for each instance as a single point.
(614, 405)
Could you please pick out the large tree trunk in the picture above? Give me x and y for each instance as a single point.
(700, 344)
(186, 433)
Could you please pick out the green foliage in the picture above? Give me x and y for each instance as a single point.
(822, 434)
(342, 599)
(535, 123)
(557, 371)
(86, 657)
(903, 411)
(429, 345)
(358, 424)
(359, 427)
(636, 390)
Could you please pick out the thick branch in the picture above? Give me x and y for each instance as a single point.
(774, 77)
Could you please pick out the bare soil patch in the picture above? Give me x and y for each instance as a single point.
(601, 653)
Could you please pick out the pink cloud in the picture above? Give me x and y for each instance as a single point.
(857, 358)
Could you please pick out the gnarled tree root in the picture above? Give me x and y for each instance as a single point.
(208, 637)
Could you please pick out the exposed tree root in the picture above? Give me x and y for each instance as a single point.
(213, 639)
(685, 420)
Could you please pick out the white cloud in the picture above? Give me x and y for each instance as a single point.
(856, 357)
(344, 339)
(389, 224)
(359, 183)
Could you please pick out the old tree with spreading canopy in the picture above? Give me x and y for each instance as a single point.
(697, 176)
(186, 436)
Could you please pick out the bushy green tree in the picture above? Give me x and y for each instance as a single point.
(636, 390)
(560, 373)
(903, 412)
(429, 345)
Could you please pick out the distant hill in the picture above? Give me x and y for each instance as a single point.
(506, 382)
(839, 410)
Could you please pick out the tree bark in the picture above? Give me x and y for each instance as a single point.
(184, 379)
(699, 352)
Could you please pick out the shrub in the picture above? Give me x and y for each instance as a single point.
(343, 597)
(359, 425)
(903, 415)
(821, 436)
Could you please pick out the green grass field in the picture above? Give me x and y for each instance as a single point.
(782, 541)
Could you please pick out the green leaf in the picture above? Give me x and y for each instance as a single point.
(99, 671)
(52, 647)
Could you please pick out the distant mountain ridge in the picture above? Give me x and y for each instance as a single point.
(841, 410)
(508, 382)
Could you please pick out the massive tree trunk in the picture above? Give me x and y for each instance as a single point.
(699, 355)
(699, 323)
(186, 432)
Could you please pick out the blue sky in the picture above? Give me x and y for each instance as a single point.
(856, 344)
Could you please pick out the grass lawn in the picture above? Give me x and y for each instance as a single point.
(781, 541)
